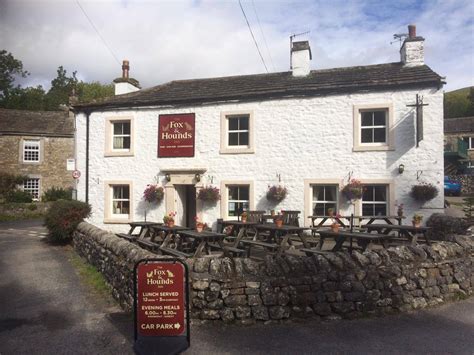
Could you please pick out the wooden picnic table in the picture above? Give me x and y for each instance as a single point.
(279, 237)
(347, 223)
(362, 239)
(144, 232)
(201, 240)
(169, 235)
(410, 232)
(240, 229)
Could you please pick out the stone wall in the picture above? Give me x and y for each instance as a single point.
(24, 210)
(332, 285)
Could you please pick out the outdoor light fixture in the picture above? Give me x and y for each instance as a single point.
(198, 177)
(167, 177)
(401, 168)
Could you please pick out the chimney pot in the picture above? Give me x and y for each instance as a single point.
(411, 31)
(125, 68)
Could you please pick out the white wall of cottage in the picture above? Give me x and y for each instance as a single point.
(306, 138)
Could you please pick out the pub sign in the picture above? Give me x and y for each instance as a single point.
(176, 135)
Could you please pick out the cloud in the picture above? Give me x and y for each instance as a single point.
(169, 40)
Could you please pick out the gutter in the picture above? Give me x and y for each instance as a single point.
(87, 113)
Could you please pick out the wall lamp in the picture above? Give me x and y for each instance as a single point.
(401, 168)
(197, 177)
(168, 177)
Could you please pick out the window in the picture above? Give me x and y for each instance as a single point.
(119, 137)
(31, 151)
(238, 199)
(324, 197)
(32, 186)
(236, 133)
(470, 142)
(118, 202)
(375, 200)
(373, 127)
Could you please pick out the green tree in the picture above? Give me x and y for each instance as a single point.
(10, 68)
(29, 98)
(61, 88)
(87, 92)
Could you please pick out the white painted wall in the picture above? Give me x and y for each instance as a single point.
(412, 53)
(297, 138)
(124, 88)
(300, 62)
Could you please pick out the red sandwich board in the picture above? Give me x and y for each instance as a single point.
(176, 135)
(161, 306)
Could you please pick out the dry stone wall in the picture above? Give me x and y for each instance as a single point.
(333, 285)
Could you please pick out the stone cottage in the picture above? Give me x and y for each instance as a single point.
(310, 131)
(37, 144)
(459, 145)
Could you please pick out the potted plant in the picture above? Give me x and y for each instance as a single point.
(416, 221)
(330, 212)
(334, 225)
(276, 193)
(278, 219)
(153, 193)
(209, 194)
(169, 219)
(243, 217)
(199, 224)
(353, 190)
(424, 192)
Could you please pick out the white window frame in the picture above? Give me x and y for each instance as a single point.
(34, 191)
(308, 196)
(386, 203)
(109, 215)
(336, 201)
(31, 146)
(225, 197)
(236, 149)
(389, 140)
(470, 144)
(110, 135)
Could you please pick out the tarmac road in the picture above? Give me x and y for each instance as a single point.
(44, 309)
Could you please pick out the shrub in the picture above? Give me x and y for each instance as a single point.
(424, 192)
(57, 193)
(445, 227)
(209, 193)
(18, 196)
(9, 182)
(63, 217)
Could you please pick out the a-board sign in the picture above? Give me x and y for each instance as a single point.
(161, 306)
(176, 135)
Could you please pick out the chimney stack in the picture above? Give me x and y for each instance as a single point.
(125, 84)
(125, 68)
(300, 57)
(412, 51)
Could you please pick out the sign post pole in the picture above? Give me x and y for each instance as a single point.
(161, 306)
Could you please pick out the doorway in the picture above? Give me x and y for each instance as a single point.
(185, 202)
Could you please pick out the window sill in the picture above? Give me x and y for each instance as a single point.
(118, 154)
(237, 151)
(117, 220)
(363, 148)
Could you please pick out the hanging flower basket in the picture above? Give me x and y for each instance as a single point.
(276, 193)
(209, 194)
(353, 190)
(424, 192)
(153, 193)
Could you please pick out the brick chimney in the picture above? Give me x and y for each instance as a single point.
(300, 57)
(412, 51)
(125, 84)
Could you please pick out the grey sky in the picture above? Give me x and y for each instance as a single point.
(168, 40)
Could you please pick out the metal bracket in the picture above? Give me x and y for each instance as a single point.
(418, 174)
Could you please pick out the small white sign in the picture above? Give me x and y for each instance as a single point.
(70, 164)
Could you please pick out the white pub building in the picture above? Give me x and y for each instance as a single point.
(307, 130)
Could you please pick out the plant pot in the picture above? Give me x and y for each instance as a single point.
(170, 224)
(279, 223)
(243, 219)
(335, 228)
(416, 224)
(331, 214)
(199, 228)
(400, 215)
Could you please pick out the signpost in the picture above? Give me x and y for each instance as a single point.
(161, 306)
(176, 135)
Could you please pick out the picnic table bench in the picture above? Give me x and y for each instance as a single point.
(145, 230)
(409, 232)
(363, 239)
(175, 252)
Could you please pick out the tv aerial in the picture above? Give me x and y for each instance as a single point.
(399, 37)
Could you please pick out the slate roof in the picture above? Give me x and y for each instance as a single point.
(36, 123)
(459, 125)
(275, 85)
